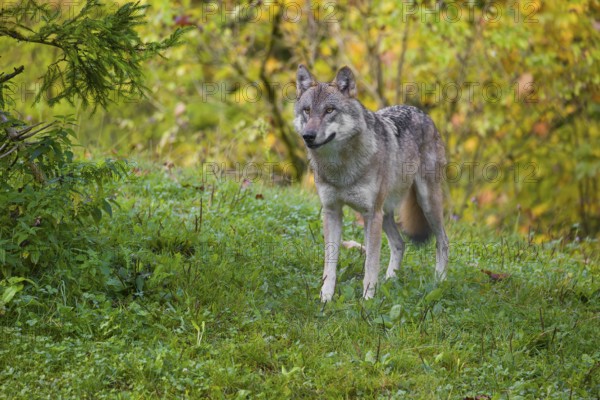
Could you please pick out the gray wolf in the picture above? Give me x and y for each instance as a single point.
(376, 163)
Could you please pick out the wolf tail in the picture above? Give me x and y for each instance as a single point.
(412, 219)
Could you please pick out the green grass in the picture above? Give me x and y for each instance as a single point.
(208, 290)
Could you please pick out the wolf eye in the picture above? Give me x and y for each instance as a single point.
(329, 110)
(306, 110)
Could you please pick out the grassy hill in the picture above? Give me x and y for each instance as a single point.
(211, 290)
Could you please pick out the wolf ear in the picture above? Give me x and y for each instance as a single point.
(304, 80)
(344, 80)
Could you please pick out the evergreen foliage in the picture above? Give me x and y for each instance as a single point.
(47, 198)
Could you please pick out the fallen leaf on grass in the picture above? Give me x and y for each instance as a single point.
(259, 196)
(139, 172)
(478, 397)
(351, 244)
(496, 277)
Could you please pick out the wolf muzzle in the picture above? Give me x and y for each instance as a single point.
(309, 139)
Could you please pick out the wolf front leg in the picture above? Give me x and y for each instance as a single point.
(373, 223)
(332, 230)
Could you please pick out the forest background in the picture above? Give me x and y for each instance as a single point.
(512, 86)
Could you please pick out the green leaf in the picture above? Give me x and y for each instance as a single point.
(38, 151)
(107, 207)
(370, 357)
(10, 292)
(395, 312)
(434, 295)
(139, 283)
(96, 214)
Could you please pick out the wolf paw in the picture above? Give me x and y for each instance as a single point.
(369, 292)
(368, 295)
(440, 275)
(326, 296)
(328, 289)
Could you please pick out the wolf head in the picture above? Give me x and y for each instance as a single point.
(327, 114)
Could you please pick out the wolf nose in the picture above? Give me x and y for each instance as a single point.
(309, 137)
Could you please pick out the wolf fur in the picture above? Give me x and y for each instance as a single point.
(374, 162)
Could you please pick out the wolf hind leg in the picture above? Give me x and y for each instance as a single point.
(396, 244)
(429, 197)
